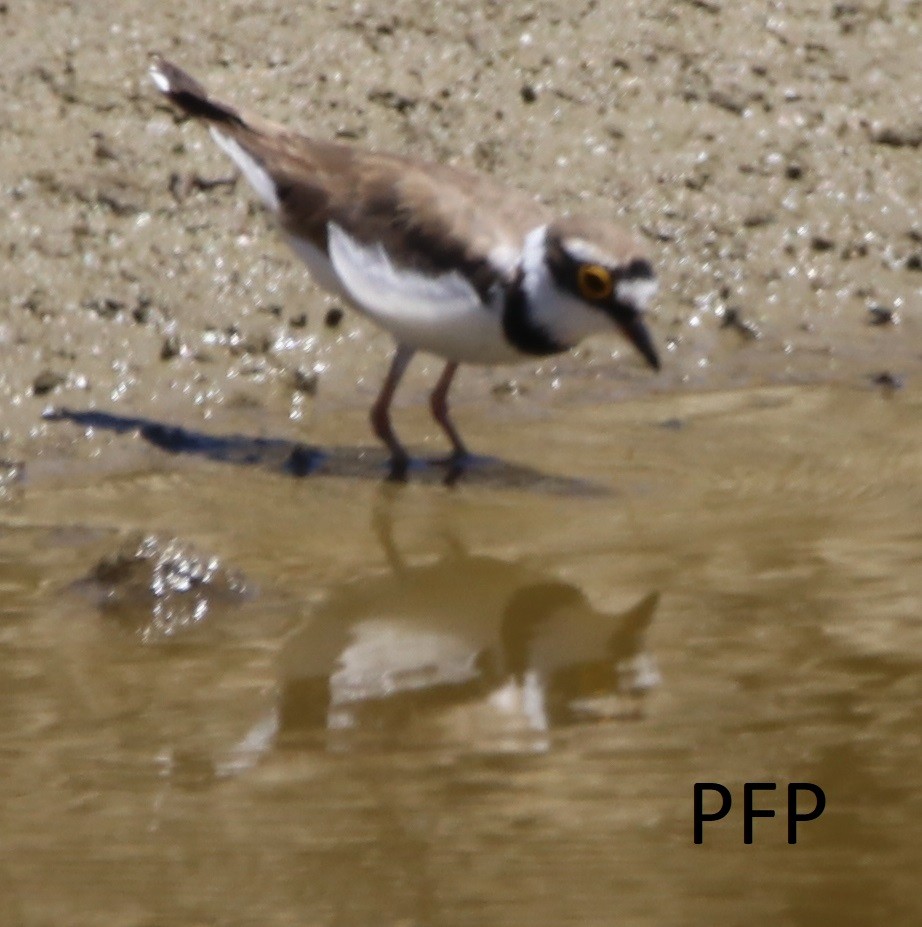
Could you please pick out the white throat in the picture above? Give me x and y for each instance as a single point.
(566, 319)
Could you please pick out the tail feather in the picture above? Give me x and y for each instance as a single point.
(241, 138)
(189, 95)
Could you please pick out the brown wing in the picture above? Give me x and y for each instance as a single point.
(431, 217)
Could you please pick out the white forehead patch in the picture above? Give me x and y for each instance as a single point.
(586, 251)
(637, 292)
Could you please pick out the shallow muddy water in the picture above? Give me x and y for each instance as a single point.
(481, 704)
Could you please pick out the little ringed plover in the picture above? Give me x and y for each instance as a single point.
(446, 260)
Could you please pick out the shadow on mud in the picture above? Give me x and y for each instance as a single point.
(306, 460)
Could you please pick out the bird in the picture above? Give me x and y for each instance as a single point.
(447, 260)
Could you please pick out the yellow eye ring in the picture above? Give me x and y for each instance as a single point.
(594, 282)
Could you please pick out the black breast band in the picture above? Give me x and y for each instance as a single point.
(521, 329)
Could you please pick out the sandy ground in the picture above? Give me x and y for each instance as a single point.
(768, 153)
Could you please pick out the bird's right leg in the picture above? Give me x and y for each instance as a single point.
(381, 410)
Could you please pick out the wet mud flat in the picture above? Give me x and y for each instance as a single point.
(241, 665)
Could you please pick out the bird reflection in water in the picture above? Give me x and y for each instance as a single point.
(464, 649)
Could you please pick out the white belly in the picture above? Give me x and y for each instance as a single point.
(442, 316)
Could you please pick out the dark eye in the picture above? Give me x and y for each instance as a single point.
(594, 282)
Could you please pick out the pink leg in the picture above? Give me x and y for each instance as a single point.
(438, 403)
(381, 410)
